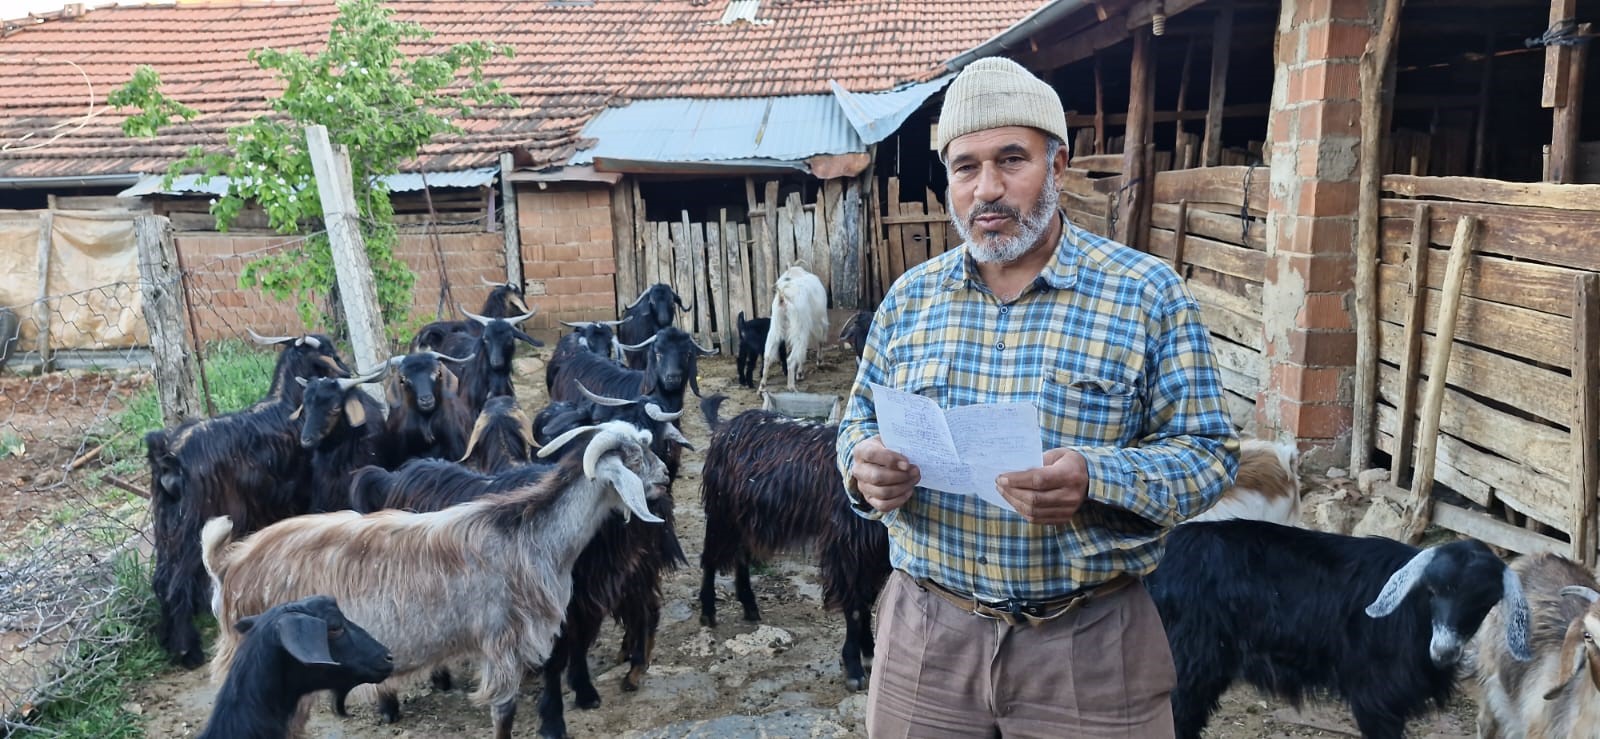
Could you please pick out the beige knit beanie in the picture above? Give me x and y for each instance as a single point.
(994, 92)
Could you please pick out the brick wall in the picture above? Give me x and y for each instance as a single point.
(1314, 134)
(223, 309)
(567, 253)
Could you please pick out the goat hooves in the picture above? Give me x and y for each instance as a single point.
(855, 684)
(587, 700)
(632, 680)
(752, 616)
(389, 708)
(710, 621)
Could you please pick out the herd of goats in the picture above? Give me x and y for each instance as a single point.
(341, 544)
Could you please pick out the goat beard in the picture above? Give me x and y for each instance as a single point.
(1002, 249)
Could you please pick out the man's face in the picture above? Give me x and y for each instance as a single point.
(1003, 190)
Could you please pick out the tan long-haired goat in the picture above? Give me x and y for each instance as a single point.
(1557, 694)
(488, 579)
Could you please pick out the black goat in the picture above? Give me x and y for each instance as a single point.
(855, 331)
(1296, 612)
(290, 651)
(342, 427)
(488, 373)
(245, 465)
(503, 301)
(752, 344)
(770, 484)
(646, 316)
(596, 337)
(501, 438)
(671, 363)
(306, 355)
(642, 411)
(427, 417)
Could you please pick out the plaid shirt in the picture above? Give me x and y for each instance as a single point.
(1108, 343)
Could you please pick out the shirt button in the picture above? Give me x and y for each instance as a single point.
(999, 345)
(1004, 309)
(982, 560)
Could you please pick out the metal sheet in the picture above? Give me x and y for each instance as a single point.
(876, 115)
(780, 129)
(191, 184)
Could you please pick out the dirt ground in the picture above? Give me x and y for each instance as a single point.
(780, 677)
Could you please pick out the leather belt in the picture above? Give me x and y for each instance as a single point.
(1034, 612)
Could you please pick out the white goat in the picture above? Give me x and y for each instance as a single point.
(1266, 488)
(799, 319)
(1557, 695)
(489, 579)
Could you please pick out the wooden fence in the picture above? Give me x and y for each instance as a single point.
(1517, 431)
(729, 267)
(912, 233)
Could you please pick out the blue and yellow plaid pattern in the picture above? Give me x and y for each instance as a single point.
(1109, 345)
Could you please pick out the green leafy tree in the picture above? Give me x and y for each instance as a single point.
(381, 104)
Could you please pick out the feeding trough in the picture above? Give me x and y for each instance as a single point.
(807, 406)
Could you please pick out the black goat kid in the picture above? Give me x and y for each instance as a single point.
(292, 650)
(1296, 612)
(752, 344)
(855, 331)
(770, 484)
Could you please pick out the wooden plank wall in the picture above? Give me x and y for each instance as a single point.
(1525, 330)
(915, 229)
(1212, 227)
(727, 267)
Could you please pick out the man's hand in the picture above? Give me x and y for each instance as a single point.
(1051, 494)
(885, 478)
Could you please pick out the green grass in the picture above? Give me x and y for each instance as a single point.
(238, 374)
(92, 702)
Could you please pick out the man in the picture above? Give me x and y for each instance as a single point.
(1033, 623)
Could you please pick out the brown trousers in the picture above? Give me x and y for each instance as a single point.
(1102, 670)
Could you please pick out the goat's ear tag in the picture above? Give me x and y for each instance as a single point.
(305, 638)
(354, 412)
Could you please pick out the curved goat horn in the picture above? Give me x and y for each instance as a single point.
(655, 413)
(269, 340)
(488, 283)
(448, 358)
(639, 346)
(480, 319)
(640, 298)
(1585, 593)
(703, 351)
(345, 383)
(560, 441)
(601, 399)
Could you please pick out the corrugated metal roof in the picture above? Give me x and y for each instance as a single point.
(875, 115)
(191, 184)
(783, 129)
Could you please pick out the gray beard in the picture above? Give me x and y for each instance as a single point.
(1001, 249)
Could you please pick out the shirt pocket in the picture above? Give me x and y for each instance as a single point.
(926, 377)
(1085, 410)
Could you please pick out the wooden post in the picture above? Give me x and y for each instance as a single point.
(1180, 236)
(1221, 45)
(1375, 60)
(1183, 92)
(1586, 417)
(683, 275)
(703, 307)
(1417, 292)
(720, 293)
(1134, 137)
(1480, 133)
(1438, 370)
(847, 249)
(624, 247)
(358, 294)
(161, 286)
(1563, 165)
(508, 196)
(1557, 58)
(1099, 109)
(41, 309)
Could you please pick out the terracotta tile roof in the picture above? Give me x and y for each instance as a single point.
(573, 58)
